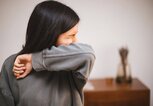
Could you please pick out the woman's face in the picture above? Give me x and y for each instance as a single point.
(68, 37)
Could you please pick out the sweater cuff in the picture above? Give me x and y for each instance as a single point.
(37, 61)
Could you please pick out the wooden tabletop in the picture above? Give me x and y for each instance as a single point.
(109, 84)
(106, 92)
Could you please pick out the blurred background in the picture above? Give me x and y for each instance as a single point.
(107, 25)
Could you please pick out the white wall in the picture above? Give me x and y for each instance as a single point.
(105, 24)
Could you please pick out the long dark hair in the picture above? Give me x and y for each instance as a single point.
(48, 20)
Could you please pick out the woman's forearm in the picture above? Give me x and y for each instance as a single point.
(76, 56)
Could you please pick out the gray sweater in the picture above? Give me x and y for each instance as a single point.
(57, 79)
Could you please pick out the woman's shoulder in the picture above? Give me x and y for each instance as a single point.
(10, 58)
(9, 61)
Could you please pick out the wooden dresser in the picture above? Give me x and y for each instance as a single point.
(106, 92)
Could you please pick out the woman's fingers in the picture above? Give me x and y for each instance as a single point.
(22, 65)
(18, 65)
(17, 75)
(18, 68)
(22, 76)
(18, 72)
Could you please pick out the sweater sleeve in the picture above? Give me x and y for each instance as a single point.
(77, 57)
(6, 98)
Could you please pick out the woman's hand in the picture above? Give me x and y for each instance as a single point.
(22, 65)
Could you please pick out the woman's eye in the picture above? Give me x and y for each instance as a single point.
(73, 35)
(68, 37)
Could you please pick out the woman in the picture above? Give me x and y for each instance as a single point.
(52, 68)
